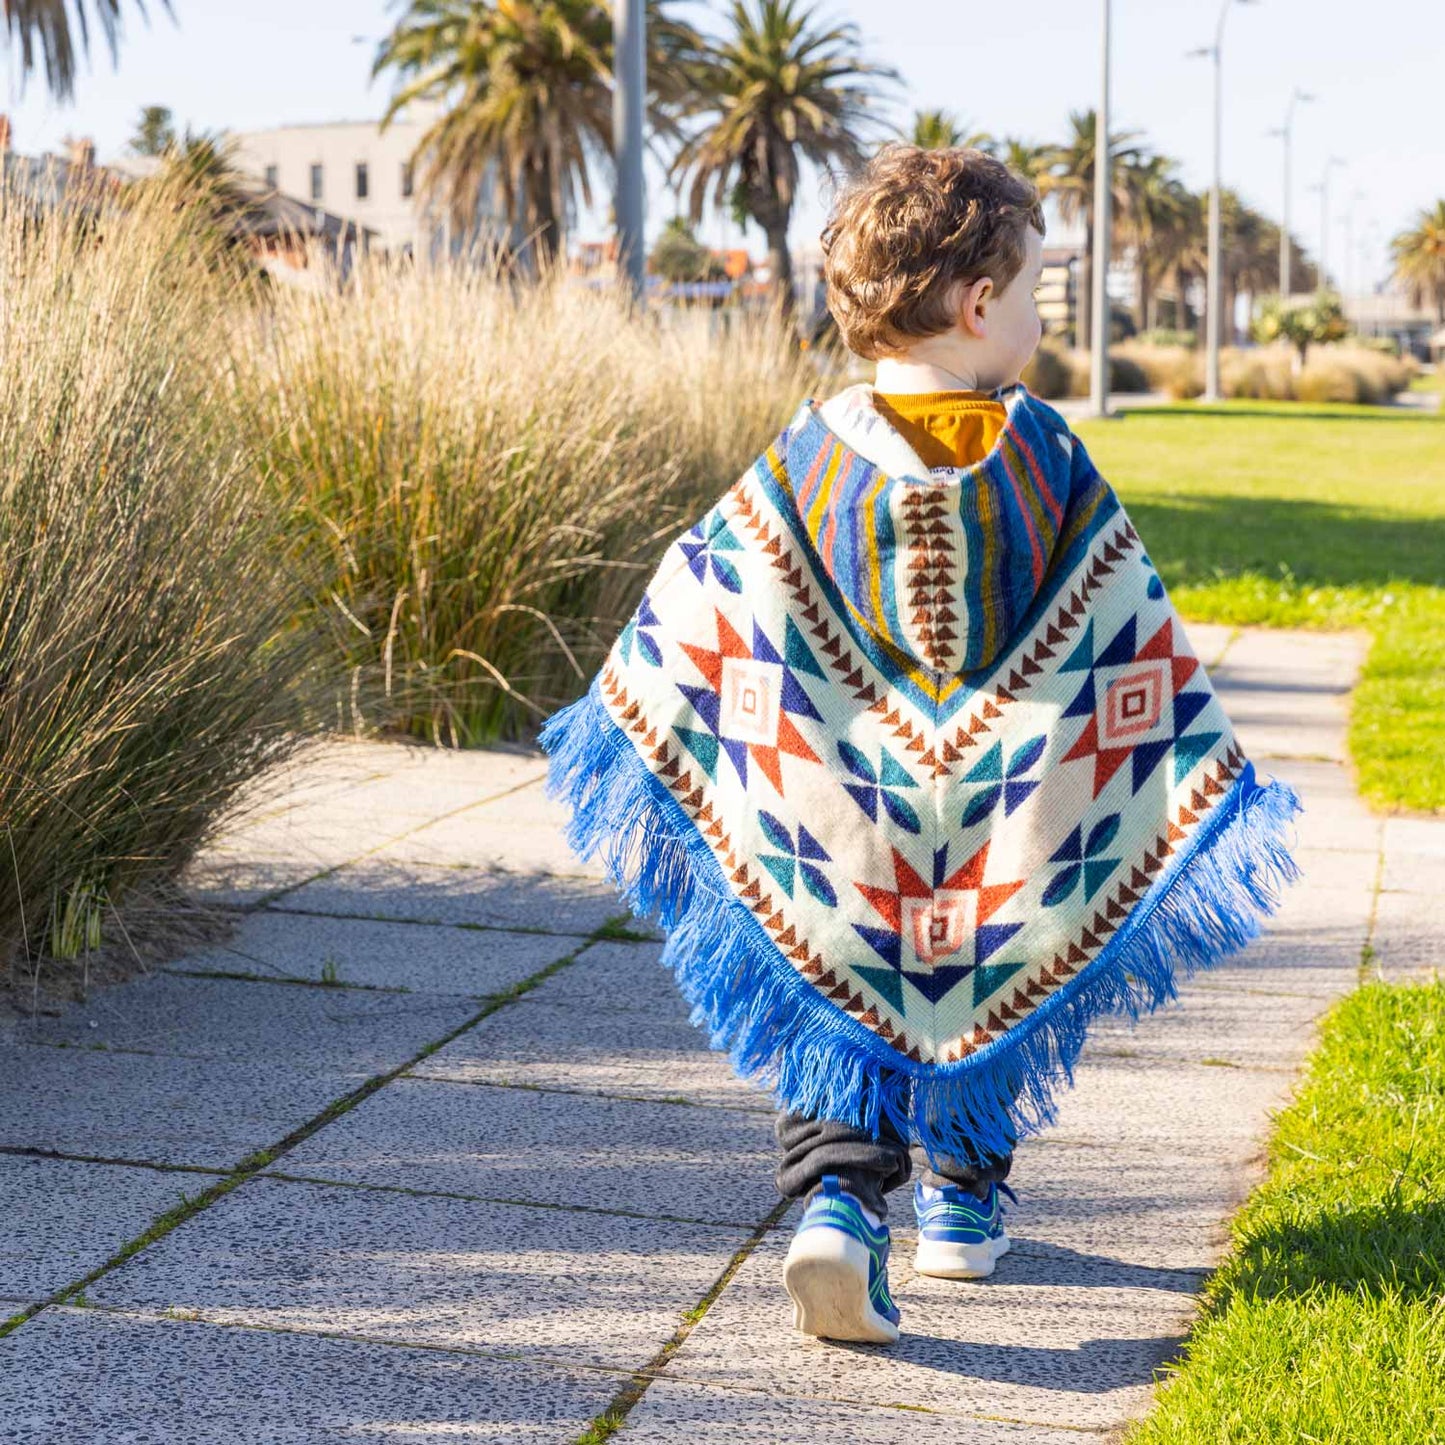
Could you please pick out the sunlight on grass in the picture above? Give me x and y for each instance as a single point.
(1327, 1322)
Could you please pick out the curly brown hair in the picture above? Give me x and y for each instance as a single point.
(911, 226)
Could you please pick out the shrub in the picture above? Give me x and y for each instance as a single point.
(1125, 374)
(1328, 381)
(150, 657)
(1047, 374)
(1163, 337)
(1159, 364)
(491, 470)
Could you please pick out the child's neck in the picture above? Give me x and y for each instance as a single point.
(909, 376)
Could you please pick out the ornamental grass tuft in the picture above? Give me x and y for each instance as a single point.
(151, 661)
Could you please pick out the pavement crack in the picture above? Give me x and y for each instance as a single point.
(625, 1400)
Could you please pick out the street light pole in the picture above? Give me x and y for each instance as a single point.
(1103, 193)
(1349, 224)
(1212, 318)
(1323, 187)
(629, 91)
(1287, 131)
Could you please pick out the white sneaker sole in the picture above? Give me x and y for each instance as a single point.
(943, 1260)
(826, 1273)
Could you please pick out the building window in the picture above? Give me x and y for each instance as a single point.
(316, 183)
(363, 185)
(408, 179)
(273, 177)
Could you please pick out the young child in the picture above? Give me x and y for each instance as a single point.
(908, 751)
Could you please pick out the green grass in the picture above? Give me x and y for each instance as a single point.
(1322, 516)
(1327, 1321)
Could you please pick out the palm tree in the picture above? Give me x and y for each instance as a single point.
(939, 130)
(1069, 175)
(1029, 160)
(155, 131)
(779, 89)
(527, 89)
(48, 26)
(1251, 255)
(1158, 210)
(1420, 258)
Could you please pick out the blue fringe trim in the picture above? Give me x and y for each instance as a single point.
(1207, 903)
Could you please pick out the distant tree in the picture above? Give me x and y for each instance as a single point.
(526, 87)
(1068, 173)
(779, 88)
(939, 130)
(678, 256)
(1029, 160)
(1157, 214)
(47, 30)
(155, 131)
(1420, 258)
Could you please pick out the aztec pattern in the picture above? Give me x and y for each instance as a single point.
(940, 737)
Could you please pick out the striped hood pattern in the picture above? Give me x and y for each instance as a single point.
(919, 773)
(941, 564)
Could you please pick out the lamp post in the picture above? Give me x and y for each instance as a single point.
(1212, 292)
(1099, 267)
(1348, 221)
(629, 91)
(1323, 187)
(1287, 131)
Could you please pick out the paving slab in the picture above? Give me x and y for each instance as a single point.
(560, 1046)
(1422, 836)
(123, 1379)
(673, 1411)
(1210, 641)
(422, 958)
(1145, 1100)
(1295, 710)
(64, 1218)
(1224, 1025)
(1409, 937)
(523, 1144)
(355, 1032)
(490, 838)
(236, 878)
(1163, 1209)
(542, 1284)
(210, 1113)
(426, 893)
(319, 768)
(612, 978)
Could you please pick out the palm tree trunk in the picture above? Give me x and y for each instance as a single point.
(542, 211)
(1084, 297)
(780, 259)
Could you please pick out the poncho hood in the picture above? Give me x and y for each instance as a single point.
(942, 563)
(919, 773)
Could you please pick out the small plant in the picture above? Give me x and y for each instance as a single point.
(330, 971)
(1316, 322)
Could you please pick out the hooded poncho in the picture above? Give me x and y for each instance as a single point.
(919, 774)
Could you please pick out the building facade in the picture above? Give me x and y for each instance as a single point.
(370, 176)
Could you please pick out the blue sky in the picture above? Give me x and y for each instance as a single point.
(1378, 73)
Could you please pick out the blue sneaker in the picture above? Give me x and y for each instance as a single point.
(837, 1271)
(960, 1236)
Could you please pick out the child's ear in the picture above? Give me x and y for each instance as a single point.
(974, 301)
